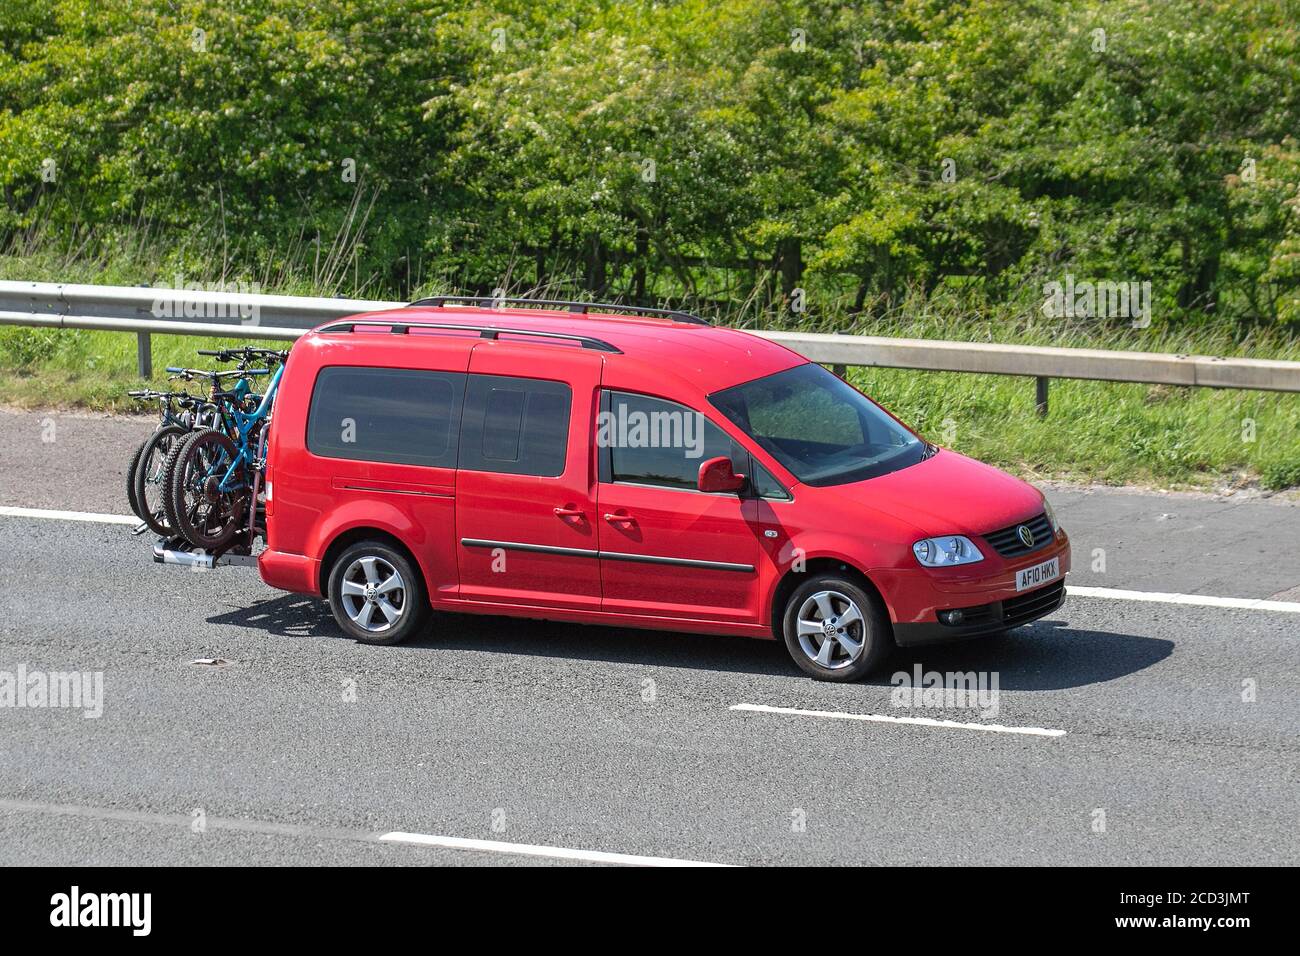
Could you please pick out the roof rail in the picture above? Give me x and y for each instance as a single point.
(581, 308)
(484, 331)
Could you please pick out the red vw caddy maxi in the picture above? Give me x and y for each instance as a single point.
(636, 468)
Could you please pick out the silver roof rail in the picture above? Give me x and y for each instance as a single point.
(578, 308)
(484, 331)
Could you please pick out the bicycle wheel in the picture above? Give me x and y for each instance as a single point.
(196, 507)
(132, 498)
(149, 477)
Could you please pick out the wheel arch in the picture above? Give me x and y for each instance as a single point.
(346, 538)
(825, 564)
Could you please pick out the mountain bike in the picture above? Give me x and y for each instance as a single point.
(146, 473)
(213, 476)
(176, 417)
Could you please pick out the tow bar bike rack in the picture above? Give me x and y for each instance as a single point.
(240, 548)
(238, 551)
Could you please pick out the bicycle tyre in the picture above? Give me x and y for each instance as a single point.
(149, 478)
(205, 519)
(132, 499)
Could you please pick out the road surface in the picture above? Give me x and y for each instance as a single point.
(542, 743)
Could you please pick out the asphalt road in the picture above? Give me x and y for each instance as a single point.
(303, 746)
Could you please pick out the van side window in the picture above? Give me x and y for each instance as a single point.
(656, 442)
(402, 416)
(515, 426)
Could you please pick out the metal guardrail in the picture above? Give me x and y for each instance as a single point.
(1153, 368)
(147, 311)
(182, 311)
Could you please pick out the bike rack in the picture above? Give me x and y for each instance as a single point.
(239, 550)
(178, 551)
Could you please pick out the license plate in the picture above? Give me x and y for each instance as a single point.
(1032, 577)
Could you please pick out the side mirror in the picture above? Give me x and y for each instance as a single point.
(716, 475)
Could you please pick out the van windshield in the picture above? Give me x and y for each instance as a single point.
(819, 427)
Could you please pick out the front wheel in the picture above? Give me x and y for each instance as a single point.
(376, 595)
(835, 630)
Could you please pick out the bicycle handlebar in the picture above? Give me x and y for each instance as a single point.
(213, 373)
(246, 353)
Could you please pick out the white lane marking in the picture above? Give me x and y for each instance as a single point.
(525, 849)
(1197, 600)
(8, 512)
(886, 719)
(331, 833)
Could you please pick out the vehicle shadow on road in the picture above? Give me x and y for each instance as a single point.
(1046, 655)
(291, 615)
(294, 615)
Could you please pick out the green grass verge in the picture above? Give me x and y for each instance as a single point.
(1095, 431)
(76, 368)
(1103, 432)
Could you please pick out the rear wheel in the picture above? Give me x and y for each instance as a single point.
(376, 595)
(204, 514)
(148, 475)
(835, 630)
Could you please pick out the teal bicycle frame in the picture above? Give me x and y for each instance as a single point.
(244, 423)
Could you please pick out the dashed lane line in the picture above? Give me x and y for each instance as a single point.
(912, 721)
(211, 823)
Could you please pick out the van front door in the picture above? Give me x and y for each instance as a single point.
(525, 484)
(667, 549)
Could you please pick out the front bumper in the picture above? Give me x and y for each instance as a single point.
(985, 593)
(986, 618)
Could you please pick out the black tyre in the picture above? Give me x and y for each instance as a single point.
(835, 630)
(148, 476)
(376, 594)
(201, 513)
(132, 498)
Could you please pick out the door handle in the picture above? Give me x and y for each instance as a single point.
(570, 513)
(620, 519)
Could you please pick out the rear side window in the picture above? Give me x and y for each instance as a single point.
(402, 416)
(515, 426)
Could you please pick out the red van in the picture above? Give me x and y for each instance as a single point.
(637, 468)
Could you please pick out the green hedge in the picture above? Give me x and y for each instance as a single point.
(717, 151)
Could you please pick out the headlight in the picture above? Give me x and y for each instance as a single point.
(944, 552)
(1051, 515)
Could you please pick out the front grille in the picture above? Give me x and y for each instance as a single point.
(1007, 543)
(1034, 604)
